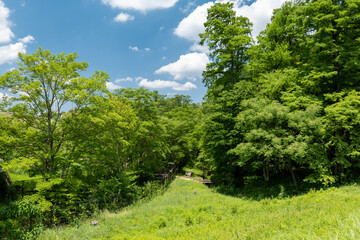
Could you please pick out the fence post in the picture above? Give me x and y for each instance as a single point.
(22, 189)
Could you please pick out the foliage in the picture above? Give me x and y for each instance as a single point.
(115, 192)
(20, 220)
(44, 84)
(228, 38)
(294, 104)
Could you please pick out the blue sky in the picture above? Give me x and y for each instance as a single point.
(150, 43)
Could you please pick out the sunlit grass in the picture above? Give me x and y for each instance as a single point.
(182, 214)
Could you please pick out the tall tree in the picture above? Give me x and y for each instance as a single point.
(228, 38)
(44, 85)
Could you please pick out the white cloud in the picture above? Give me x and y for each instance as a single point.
(123, 17)
(136, 49)
(5, 32)
(190, 27)
(259, 13)
(188, 7)
(140, 79)
(158, 84)
(112, 86)
(140, 5)
(27, 39)
(188, 66)
(186, 87)
(9, 53)
(167, 84)
(127, 79)
(198, 48)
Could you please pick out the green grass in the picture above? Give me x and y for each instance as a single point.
(194, 172)
(181, 214)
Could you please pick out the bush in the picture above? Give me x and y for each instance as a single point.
(20, 220)
(115, 193)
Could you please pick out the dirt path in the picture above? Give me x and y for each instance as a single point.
(192, 179)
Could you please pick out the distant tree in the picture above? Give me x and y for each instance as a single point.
(100, 138)
(148, 146)
(181, 118)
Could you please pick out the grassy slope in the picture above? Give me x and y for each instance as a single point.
(181, 214)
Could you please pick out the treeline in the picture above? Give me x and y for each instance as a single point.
(288, 105)
(84, 141)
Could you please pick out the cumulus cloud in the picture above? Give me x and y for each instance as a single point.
(186, 87)
(127, 79)
(27, 39)
(5, 32)
(190, 27)
(140, 5)
(259, 13)
(188, 66)
(9, 53)
(198, 48)
(112, 86)
(123, 17)
(140, 79)
(167, 84)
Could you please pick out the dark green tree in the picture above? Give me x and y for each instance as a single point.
(228, 38)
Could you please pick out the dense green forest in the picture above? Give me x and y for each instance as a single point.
(286, 106)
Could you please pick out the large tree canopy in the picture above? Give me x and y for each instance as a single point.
(289, 102)
(43, 86)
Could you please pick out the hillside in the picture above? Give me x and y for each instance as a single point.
(183, 214)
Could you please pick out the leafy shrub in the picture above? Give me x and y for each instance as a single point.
(115, 193)
(20, 220)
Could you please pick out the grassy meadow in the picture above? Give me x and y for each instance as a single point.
(183, 214)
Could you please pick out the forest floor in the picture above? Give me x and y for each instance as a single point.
(190, 210)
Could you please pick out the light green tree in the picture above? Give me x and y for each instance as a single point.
(43, 86)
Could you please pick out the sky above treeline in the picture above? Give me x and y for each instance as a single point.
(149, 43)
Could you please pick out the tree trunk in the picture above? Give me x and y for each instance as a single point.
(293, 176)
(266, 172)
